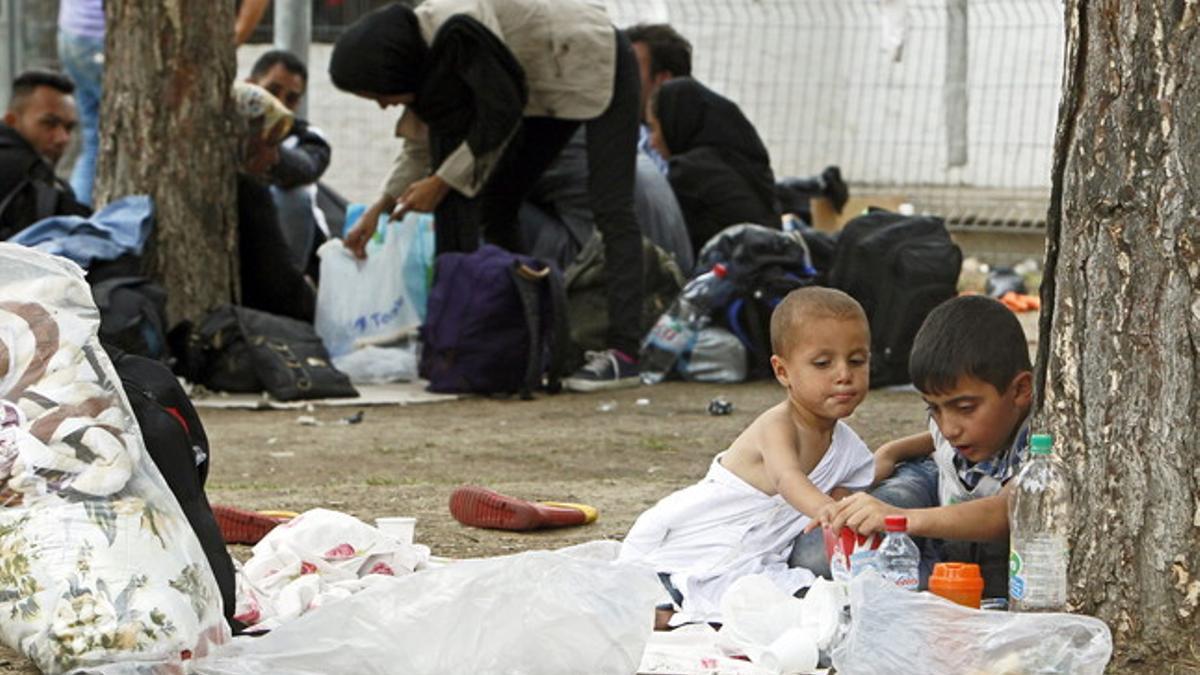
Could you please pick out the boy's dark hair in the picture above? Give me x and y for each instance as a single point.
(669, 50)
(971, 335)
(288, 60)
(26, 82)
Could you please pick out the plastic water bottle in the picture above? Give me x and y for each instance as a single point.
(1039, 519)
(898, 559)
(675, 331)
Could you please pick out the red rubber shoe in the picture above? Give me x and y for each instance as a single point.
(239, 526)
(480, 507)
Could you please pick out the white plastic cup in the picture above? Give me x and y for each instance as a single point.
(793, 652)
(400, 528)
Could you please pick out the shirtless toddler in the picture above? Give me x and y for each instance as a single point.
(776, 477)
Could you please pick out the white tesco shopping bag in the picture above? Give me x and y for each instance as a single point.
(382, 298)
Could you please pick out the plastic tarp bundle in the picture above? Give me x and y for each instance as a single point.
(894, 630)
(97, 562)
(551, 612)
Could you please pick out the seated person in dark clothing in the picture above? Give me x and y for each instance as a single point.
(717, 165)
(36, 130)
(270, 282)
(303, 158)
(556, 219)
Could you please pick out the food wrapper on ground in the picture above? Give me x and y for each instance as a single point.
(100, 564)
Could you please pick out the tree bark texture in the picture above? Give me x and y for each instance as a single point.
(1117, 363)
(167, 130)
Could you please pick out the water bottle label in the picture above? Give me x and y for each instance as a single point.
(670, 335)
(1037, 571)
(1016, 582)
(906, 581)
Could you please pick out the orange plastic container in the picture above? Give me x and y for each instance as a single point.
(957, 582)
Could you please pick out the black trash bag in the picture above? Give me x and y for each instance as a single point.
(1002, 280)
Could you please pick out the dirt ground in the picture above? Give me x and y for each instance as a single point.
(619, 451)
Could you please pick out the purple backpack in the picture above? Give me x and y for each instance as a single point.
(495, 324)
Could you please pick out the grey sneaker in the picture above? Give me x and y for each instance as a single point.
(608, 369)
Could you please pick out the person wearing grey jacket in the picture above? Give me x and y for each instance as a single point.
(493, 91)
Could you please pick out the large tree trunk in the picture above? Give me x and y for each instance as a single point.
(1120, 334)
(167, 130)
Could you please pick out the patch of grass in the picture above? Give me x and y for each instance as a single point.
(249, 485)
(658, 444)
(381, 481)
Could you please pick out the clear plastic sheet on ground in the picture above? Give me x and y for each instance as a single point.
(380, 365)
(100, 564)
(894, 630)
(539, 612)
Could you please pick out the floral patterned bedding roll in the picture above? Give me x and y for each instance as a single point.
(98, 564)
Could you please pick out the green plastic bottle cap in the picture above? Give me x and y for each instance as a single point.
(1040, 444)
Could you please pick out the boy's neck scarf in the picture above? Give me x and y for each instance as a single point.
(1002, 467)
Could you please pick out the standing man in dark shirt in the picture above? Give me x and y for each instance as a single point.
(36, 130)
(303, 157)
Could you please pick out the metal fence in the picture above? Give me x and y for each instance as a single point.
(958, 116)
(950, 104)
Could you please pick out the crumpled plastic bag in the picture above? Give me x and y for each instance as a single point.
(99, 563)
(380, 365)
(757, 613)
(380, 299)
(316, 558)
(539, 612)
(893, 630)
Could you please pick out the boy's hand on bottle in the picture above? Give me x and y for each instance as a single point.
(825, 513)
(862, 513)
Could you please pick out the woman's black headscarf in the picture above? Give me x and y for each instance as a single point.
(468, 85)
(693, 117)
(381, 53)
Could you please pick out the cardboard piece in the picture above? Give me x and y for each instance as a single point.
(826, 219)
(397, 393)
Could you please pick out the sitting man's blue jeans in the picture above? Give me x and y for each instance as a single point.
(914, 485)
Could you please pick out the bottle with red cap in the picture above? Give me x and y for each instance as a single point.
(898, 559)
(674, 334)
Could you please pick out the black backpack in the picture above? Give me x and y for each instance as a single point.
(898, 268)
(176, 442)
(133, 315)
(764, 265)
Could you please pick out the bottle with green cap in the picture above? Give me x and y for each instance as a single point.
(1039, 522)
